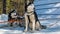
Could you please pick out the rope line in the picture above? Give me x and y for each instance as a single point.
(50, 25)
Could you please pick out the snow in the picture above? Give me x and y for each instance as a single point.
(4, 17)
(19, 30)
(4, 31)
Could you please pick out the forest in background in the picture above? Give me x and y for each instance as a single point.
(7, 5)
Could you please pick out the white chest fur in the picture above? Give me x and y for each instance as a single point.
(13, 15)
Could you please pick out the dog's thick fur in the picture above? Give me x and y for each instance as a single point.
(16, 20)
(37, 23)
(31, 19)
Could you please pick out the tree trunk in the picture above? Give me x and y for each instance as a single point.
(1, 5)
(4, 6)
(21, 7)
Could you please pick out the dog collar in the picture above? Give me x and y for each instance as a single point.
(30, 13)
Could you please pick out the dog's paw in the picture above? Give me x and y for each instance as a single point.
(25, 30)
(32, 31)
(38, 29)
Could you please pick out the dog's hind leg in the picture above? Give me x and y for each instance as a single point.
(38, 25)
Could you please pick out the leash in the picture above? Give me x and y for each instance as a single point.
(50, 25)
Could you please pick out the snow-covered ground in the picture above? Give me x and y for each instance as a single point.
(19, 30)
(55, 29)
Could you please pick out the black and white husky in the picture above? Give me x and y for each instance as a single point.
(12, 17)
(31, 19)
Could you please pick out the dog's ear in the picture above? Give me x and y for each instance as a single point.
(30, 2)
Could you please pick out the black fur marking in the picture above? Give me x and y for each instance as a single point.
(9, 15)
(44, 27)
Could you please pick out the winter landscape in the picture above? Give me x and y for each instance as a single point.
(55, 19)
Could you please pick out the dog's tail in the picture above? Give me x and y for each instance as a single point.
(41, 26)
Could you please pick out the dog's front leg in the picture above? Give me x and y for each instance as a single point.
(26, 23)
(32, 18)
(33, 25)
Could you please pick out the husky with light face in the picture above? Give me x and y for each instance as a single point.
(14, 18)
(11, 17)
(31, 19)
